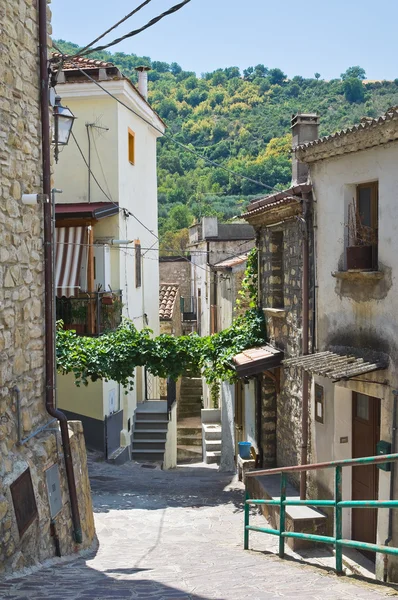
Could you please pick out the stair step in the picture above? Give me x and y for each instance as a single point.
(150, 416)
(147, 455)
(153, 434)
(212, 445)
(189, 440)
(151, 425)
(189, 452)
(189, 430)
(212, 432)
(212, 457)
(149, 444)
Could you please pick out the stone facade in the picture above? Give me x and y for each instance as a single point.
(22, 307)
(176, 270)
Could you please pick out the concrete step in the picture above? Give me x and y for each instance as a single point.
(184, 413)
(151, 416)
(189, 440)
(153, 434)
(189, 431)
(145, 424)
(147, 455)
(149, 444)
(119, 456)
(213, 457)
(211, 431)
(189, 452)
(212, 445)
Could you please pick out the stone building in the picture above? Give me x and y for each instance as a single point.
(34, 500)
(279, 223)
(354, 370)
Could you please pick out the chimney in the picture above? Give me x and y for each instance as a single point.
(304, 129)
(143, 80)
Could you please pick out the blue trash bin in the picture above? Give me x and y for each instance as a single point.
(244, 449)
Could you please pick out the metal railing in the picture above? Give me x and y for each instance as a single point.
(91, 313)
(337, 503)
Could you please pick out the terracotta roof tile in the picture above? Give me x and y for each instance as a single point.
(84, 63)
(232, 262)
(279, 198)
(167, 297)
(365, 123)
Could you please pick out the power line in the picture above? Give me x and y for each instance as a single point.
(133, 12)
(172, 138)
(152, 22)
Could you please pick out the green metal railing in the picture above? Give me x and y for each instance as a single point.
(338, 504)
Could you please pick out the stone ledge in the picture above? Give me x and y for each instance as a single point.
(275, 312)
(362, 276)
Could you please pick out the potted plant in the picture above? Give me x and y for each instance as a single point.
(361, 241)
(78, 317)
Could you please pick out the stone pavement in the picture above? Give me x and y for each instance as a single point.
(177, 535)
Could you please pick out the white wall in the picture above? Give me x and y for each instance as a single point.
(170, 455)
(227, 462)
(249, 390)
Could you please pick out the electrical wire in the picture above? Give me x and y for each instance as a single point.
(152, 22)
(133, 12)
(173, 139)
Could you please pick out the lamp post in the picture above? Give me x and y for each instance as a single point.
(63, 123)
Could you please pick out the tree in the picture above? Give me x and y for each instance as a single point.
(317, 75)
(354, 73)
(353, 90)
(276, 76)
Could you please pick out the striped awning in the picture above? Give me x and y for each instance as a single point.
(337, 366)
(69, 245)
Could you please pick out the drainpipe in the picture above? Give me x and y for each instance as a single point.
(392, 482)
(48, 271)
(305, 345)
(259, 402)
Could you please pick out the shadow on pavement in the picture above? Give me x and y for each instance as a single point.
(77, 581)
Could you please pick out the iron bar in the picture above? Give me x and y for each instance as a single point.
(247, 518)
(36, 432)
(282, 516)
(338, 517)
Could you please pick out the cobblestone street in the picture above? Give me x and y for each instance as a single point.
(178, 535)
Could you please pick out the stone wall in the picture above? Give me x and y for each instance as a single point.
(281, 289)
(22, 306)
(176, 270)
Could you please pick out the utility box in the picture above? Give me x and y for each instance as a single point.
(54, 490)
(383, 447)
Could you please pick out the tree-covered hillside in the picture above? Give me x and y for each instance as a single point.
(242, 121)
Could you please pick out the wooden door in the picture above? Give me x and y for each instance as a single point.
(365, 435)
(239, 415)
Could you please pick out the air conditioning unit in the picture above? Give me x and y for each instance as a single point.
(102, 267)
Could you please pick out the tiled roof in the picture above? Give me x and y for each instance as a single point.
(279, 198)
(257, 360)
(338, 366)
(82, 62)
(232, 262)
(365, 124)
(167, 297)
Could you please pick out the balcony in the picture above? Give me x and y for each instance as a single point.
(91, 313)
(188, 308)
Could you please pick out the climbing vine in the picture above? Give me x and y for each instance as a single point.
(248, 294)
(116, 354)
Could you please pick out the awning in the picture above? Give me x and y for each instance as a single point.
(338, 366)
(86, 210)
(256, 360)
(69, 245)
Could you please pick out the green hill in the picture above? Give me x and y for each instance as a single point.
(242, 121)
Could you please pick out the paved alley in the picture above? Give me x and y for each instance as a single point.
(177, 535)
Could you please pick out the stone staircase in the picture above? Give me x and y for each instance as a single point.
(211, 434)
(150, 432)
(189, 428)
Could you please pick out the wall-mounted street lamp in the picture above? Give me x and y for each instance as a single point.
(63, 123)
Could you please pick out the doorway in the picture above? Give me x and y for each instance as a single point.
(365, 480)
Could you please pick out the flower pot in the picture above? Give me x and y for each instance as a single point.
(79, 328)
(107, 300)
(359, 258)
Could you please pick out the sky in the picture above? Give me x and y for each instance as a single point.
(324, 36)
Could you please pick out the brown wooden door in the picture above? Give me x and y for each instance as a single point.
(239, 412)
(365, 435)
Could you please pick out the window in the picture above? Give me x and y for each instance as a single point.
(363, 228)
(137, 246)
(131, 147)
(276, 279)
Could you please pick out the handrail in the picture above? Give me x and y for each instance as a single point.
(349, 462)
(337, 503)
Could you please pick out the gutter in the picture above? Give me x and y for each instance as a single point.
(48, 271)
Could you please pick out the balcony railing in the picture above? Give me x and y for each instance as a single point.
(188, 308)
(91, 313)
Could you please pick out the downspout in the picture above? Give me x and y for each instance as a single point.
(392, 482)
(259, 381)
(89, 163)
(48, 270)
(305, 345)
